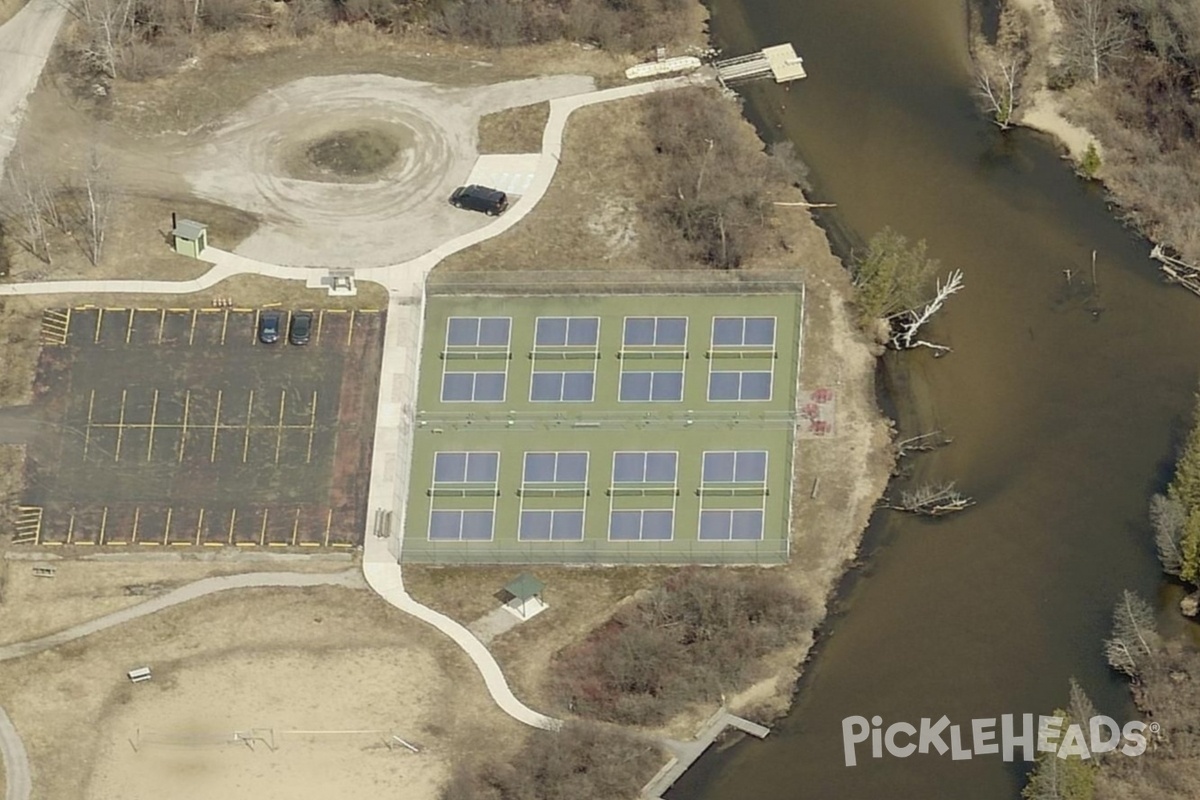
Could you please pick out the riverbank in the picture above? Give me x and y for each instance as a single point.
(1055, 431)
(839, 475)
(1041, 108)
(1132, 102)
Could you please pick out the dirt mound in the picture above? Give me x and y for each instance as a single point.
(359, 155)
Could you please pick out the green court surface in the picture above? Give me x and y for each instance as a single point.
(605, 429)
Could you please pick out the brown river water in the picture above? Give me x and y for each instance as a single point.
(1065, 405)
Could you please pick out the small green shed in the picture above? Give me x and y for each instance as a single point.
(190, 237)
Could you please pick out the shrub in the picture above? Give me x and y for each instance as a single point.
(583, 761)
(1089, 165)
(716, 184)
(690, 640)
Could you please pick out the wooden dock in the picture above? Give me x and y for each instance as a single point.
(684, 754)
(779, 62)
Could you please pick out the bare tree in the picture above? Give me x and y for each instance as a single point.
(97, 207)
(1134, 635)
(25, 207)
(1080, 708)
(1094, 34)
(1168, 517)
(996, 83)
(906, 324)
(109, 25)
(999, 67)
(715, 191)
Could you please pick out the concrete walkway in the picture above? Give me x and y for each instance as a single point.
(398, 386)
(18, 780)
(184, 594)
(405, 283)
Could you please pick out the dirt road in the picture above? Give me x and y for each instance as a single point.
(25, 42)
(402, 212)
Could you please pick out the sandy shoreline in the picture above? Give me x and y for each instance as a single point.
(1040, 107)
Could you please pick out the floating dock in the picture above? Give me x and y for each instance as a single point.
(780, 62)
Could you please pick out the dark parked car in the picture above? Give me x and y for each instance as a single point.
(480, 198)
(301, 328)
(268, 326)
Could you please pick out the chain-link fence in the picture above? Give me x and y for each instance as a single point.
(550, 282)
(772, 551)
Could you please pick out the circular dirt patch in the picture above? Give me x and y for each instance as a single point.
(349, 156)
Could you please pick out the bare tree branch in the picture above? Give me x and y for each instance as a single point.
(1094, 35)
(908, 323)
(931, 500)
(997, 85)
(1134, 635)
(1168, 517)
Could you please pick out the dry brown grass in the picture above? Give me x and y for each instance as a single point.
(231, 68)
(588, 218)
(136, 243)
(603, 169)
(323, 658)
(80, 590)
(12, 484)
(514, 130)
(249, 290)
(579, 600)
(20, 332)
(598, 214)
(10, 7)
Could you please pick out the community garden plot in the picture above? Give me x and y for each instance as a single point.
(177, 426)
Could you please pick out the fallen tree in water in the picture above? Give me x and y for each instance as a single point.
(915, 445)
(891, 281)
(922, 443)
(908, 323)
(1177, 270)
(930, 500)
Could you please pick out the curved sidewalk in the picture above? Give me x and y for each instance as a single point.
(18, 780)
(184, 594)
(389, 468)
(383, 575)
(395, 407)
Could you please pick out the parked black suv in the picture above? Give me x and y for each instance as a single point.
(301, 328)
(268, 327)
(480, 198)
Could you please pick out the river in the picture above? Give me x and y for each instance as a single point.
(1065, 403)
